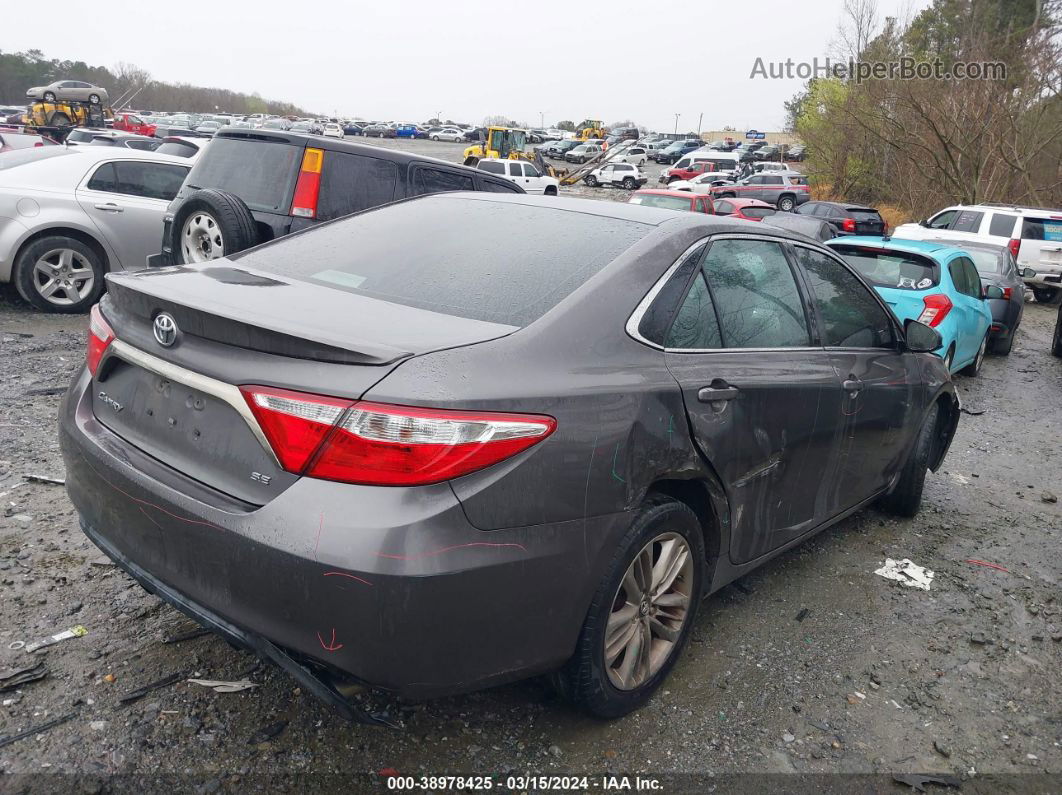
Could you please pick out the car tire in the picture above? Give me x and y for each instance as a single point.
(49, 96)
(588, 680)
(435, 137)
(60, 120)
(210, 224)
(1045, 295)
(786, 204)
(672, 179)
(591, 181)
(1056, 341)
(973, 368)
(63, 259)
(94, 99)
(629, 183)
(906, 498)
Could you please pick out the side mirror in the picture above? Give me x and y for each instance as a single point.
(924, 222)
(1027, 273)
(991, 291)
(921, 338)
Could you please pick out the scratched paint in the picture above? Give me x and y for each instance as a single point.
(615, 458)
(344, 574)
(444, 550)
(331, 645)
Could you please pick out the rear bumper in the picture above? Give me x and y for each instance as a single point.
(391, 587)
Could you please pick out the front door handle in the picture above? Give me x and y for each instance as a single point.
(109, 207)
(710, 394)
(852, 385)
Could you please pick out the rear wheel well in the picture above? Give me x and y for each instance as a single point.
(62, 231)
(947, 416)
(693, 494)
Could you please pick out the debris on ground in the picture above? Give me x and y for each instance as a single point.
(196, 633)
(804, 613)
(906, 572)
(140, 692)
(74, 632)
(918, 781)
(36, 729)
(1048, 496)
(219, 686)
(9, 680)
(45, 479)
(988, 565)
(267, 733)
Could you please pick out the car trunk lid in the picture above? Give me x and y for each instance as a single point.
(181, 403)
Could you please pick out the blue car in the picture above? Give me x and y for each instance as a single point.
(934, 283)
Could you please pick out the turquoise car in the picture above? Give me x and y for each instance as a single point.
(933, 283)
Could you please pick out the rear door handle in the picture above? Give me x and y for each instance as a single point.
(852, 385)
(710, 394)
(109, 207)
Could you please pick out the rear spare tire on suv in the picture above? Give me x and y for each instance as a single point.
(210, 224)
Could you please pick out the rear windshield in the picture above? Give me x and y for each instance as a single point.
(1042, 229)
(496, 262)
(757, 212)
(897, 271)
(262, 173)
(865, 215)
(985, 261)
(178, 148)
(667, 202)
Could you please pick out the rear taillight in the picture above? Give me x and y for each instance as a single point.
(304, 202)
(936, 309)
(848, 225)
(100, 335)
(1007, 292)
(1014, 246)
(384, 445)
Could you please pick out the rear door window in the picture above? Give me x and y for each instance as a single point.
(149, 180)
(967, 221)
(490, 186)
(942, 220)
(695, 326)
(756, 295)
(105, 179)
(961, 277)
(1001, 225)
(437, 180)
(351, 183)
(262, 173)
(492, 167)
(850, 316)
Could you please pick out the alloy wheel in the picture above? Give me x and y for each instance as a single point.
(63, 276)
(201, 238)
(649, 611)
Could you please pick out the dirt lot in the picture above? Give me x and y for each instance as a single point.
(811, 665)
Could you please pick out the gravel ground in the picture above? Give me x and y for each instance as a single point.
(811, 665)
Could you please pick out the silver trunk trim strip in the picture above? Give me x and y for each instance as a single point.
(222, 391)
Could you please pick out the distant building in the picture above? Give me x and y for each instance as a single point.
(739, 135)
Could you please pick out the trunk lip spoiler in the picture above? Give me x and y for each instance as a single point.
(227, 393)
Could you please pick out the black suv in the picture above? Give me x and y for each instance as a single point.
(846, 219)
(250, 186)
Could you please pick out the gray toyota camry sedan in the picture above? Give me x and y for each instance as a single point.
(470, 438)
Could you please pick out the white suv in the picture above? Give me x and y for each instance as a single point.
(623, 175)
(524, 174)
(1033, 235)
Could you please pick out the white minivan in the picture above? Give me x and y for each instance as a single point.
(1033, 235)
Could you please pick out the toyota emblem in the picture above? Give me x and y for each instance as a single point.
(165, 329)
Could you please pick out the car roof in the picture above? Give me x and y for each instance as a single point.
(978, 244)
(1007, 208)
(923, 247)
(842, 205)
(744, 202)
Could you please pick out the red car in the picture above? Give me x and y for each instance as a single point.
(747, 209)
(17, 140)
(674, 200)
(130, 122)
(691, 171)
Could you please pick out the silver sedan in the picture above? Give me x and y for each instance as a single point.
(70, 91)
(68, 215)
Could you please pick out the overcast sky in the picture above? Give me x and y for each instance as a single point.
(411, 59)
